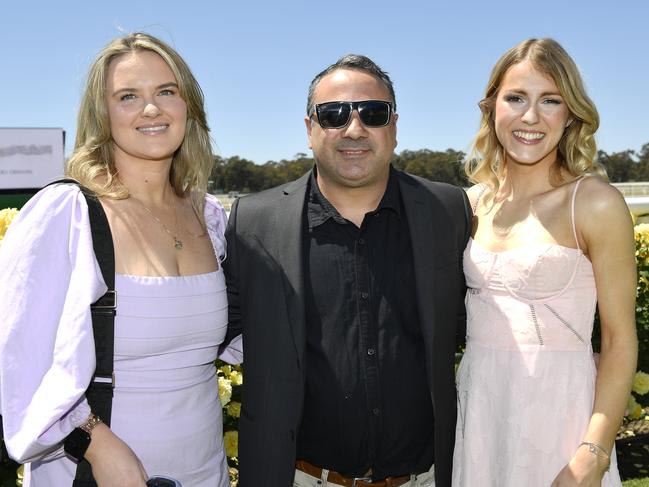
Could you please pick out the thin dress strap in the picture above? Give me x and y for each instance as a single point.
(477, 200)
(572, 211)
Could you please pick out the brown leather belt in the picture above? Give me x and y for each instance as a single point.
(336, 478)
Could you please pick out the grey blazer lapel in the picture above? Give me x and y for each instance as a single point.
(420, 205)
(290, 242)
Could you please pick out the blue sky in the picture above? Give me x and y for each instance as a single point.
(254, 61)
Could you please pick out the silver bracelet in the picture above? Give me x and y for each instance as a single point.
(594, 448)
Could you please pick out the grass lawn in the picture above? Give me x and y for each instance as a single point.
(636, 483)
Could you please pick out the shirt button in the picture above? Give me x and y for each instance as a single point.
(371, 351)
(376, 411)
(361, 241)
(364, 295)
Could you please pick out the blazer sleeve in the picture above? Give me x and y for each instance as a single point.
(216, 219)
(48, 278)
(464, 234)
(230, 267)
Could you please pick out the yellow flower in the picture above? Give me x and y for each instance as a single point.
(236, 377)
(234, 476)
(635, 410)
(6, 217)
(641, 230)
(234, 409)
(226, 369)
(225, 390)
(641, 383)
(231, 442)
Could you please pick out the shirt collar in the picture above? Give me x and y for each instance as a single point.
(319, 209)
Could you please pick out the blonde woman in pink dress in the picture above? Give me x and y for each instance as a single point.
(551, 242)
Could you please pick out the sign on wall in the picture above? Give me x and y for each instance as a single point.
(30, 157)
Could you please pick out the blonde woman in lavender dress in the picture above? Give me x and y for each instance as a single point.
(551, 242)
(143, 146)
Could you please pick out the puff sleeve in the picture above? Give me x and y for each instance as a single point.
(48, 278)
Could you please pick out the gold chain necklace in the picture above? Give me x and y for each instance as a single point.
(178, 244)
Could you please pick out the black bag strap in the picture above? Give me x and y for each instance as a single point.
(100, 391)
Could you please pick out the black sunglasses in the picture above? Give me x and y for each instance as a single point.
(337, 114)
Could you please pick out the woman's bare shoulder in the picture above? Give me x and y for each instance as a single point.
(600, 198)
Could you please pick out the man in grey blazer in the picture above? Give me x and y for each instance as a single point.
(347, 286)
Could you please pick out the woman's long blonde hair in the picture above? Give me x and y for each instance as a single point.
(577, 147)
(93, 164)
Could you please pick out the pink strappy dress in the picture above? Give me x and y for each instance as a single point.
(526, 382)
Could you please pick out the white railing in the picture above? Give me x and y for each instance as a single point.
(639, 205)
(635, 194)
(633, 189)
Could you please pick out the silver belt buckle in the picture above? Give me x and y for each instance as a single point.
(361, 479)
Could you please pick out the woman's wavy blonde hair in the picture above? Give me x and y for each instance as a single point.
(577, 147)
(92, 162)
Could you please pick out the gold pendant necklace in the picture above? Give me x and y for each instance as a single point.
(178, 244)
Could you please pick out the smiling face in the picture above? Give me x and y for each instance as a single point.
(530, 116)
(353, 156)
(146, 112)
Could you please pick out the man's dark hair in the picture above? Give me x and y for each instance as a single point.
(355, 62)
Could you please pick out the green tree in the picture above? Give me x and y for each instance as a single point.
(239, 175)
(620, 166)
(217, 177)
(297, 166)
(642, 168)
(437, 166)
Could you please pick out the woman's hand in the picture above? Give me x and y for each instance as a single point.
(585, 469)
(113, 463)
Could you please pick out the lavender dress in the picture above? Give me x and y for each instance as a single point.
(167, 335)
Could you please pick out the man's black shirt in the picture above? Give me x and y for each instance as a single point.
(367, 401)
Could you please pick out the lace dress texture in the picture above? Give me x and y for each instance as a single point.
(526, 382)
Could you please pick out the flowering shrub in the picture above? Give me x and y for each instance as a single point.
(640, 387)
(642, 302)
(638, 406)
(6, 217)
(230, 379)
(641, 383)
